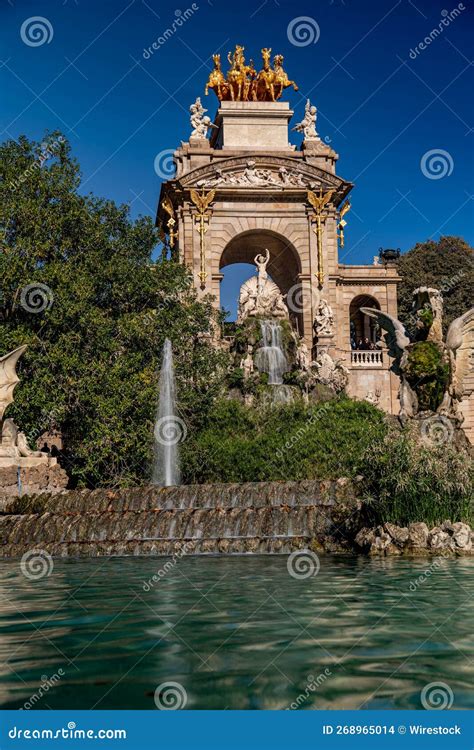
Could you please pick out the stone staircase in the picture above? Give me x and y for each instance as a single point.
(266, 517)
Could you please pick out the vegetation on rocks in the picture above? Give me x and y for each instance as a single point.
(428, 372)
(407, 481)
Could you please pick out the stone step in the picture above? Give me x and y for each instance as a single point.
(216, 523)
(247, 495)
(174, 548)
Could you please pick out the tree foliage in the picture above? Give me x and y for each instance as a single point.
(78, 285)
(447, 265)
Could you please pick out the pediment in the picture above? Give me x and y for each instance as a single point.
(261, 173)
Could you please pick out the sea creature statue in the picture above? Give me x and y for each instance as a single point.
(242, 82)
(434, 375)
(307, 126)
(13, 444)
(8, 377)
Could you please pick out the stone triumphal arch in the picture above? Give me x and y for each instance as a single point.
(246, 189)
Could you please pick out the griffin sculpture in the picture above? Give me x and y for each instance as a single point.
(435, 375)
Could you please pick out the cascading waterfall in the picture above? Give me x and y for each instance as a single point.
(270, 357)
(168, 426)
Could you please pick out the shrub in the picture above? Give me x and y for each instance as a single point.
(428, 373)
(411, 482)
(293, 441)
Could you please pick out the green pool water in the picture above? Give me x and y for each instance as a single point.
(237, 633)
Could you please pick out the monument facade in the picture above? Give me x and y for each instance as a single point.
(242, 192)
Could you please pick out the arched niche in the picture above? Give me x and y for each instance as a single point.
(361, 326)
(284, 266)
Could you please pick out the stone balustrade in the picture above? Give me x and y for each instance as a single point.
(369, 358)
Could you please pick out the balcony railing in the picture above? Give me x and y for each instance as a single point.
(369, 358)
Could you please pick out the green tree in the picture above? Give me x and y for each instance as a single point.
(447, 265)
(78, 285)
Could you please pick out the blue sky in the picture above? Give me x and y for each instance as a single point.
(380, 108)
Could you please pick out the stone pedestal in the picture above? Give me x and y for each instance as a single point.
(252, 125)
(31, 476)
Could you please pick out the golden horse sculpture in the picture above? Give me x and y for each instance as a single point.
(242, 84)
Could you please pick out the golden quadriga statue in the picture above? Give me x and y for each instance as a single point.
(242, 82)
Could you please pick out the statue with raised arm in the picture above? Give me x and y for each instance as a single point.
(307, 126)
(261, 261)
(435, 375)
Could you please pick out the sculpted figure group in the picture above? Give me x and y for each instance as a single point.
(242, 82)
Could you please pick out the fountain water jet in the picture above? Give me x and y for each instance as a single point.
(270, 357)
(169, 427)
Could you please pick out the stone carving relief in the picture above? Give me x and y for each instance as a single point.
(251, 175)
(324, 319)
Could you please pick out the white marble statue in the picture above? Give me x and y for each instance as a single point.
(324, 319)
(303, 360)
(331, 373)
(247, 364)
(261, 261)
(307, 126)
(199, 121)
(252, 176)
(13, 443)
(259, 295)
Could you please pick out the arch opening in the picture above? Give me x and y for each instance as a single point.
(283, 268)
(364, 333)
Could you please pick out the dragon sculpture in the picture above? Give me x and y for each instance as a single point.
(434, 374)
(8, 377)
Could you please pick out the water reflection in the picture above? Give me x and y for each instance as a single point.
(236, 632)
